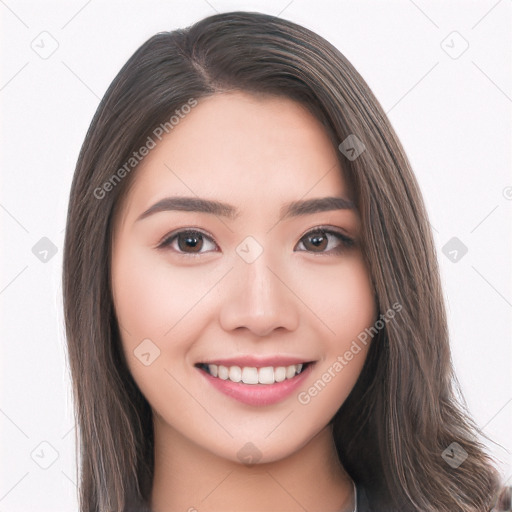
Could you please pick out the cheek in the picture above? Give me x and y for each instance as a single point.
(150, 296)
(341, 297)
(139, 297)
(356, 309)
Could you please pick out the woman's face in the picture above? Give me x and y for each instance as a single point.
(261, 288)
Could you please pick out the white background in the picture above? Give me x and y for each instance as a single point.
(453, 116)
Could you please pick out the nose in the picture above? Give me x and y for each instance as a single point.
(259, 298)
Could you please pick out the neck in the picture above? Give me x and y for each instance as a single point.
(189, 478)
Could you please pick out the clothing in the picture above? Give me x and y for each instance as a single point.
(361, 499)
(362, 502)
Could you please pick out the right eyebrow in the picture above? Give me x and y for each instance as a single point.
(290, 209)
(191, 204)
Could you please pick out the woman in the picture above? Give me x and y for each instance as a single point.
(219, 362)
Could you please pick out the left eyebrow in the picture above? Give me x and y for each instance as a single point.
(319, 204)
(291, 209)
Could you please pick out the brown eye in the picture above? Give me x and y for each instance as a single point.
(319, 240)
(192, 242)
(188, 242)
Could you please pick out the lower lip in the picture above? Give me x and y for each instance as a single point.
(258, 394)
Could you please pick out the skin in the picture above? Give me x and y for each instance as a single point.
(255, 153)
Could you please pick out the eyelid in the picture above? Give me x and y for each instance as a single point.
(345, 239)
(327, 229)
(163, 243)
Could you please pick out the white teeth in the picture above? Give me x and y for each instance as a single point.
(266, 375)
(235, 373)
(223, 372)
(280, 373)
(252, 375)
(291, 371)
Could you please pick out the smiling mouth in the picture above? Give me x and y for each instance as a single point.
(252, 375)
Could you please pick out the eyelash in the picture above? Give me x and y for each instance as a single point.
(346, 242)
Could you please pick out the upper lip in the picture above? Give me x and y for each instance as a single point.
(258, 362)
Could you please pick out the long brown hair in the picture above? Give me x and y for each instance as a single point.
(403, 412)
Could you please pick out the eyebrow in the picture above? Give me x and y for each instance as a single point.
(291, 209)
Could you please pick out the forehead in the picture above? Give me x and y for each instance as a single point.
(249, 151)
